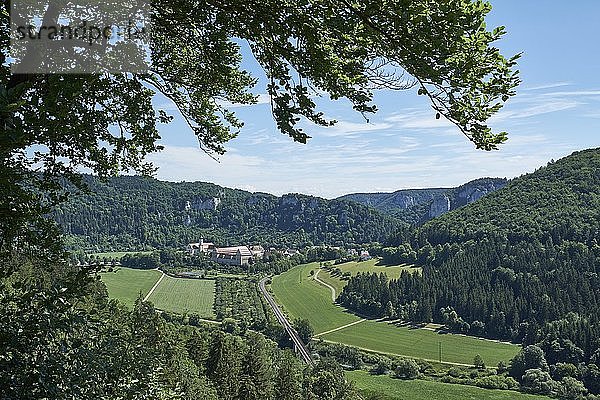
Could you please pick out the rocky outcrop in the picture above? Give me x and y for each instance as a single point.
(439, 206)
(420, 205)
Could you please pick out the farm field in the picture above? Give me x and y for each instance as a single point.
(302, 297)
(125, 284)
(395, 389)
(189, 296)
(421, 343)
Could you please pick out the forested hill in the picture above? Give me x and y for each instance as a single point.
(416, 206)
(556, 203)
(522, 263)
(131, 212)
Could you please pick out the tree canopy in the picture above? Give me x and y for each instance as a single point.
(106, 122)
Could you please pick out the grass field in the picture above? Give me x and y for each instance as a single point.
(422, 343)
(354, 267)
(181, 295)
(125, 284)
(373, 265)
(303, 297)
(388, 388)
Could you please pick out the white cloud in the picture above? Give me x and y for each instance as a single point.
(546, 86)
(192, 164)
(418, 120)
(262, 98)
(346, 128)
(534, 108)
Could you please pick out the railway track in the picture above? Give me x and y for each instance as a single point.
(299, 345)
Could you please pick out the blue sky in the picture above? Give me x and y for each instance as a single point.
(556, 112)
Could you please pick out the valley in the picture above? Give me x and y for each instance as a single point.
(464, 298)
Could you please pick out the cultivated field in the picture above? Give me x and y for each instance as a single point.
(125, 284)
(303, 297)
(388, 388)
(182, 295)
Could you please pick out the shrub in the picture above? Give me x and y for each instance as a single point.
(539, 382)
(407, 369)
(478, 362)
(497, 382)
(571, 388)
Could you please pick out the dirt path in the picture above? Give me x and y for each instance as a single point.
(316, 276)
(341, 327)
(155, 286)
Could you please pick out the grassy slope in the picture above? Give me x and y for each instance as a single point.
(126, 284)
(373, 265)
(354, 267)
(421, 343)
(395, 389)
(185, 296)
(302, 297)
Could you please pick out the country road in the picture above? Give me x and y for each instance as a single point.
(298, 343)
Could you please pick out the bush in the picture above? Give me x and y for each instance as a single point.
(381, 368)
(478, 362)
(531, 357)
(407, 369)
(497, 382)
(571, 388)
(539, 382)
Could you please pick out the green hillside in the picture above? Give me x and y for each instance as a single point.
(520, 264)
(132, 212)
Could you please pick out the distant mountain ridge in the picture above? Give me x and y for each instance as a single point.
(420, 205)
(133, 212)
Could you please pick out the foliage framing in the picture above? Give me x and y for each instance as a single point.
(347, 49)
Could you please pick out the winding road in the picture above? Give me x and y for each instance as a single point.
(316, 276)
(299, 345)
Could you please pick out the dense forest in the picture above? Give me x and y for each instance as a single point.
(521, 264)
(136, 212)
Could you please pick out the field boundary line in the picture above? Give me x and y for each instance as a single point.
(162, 275)
(340, 327)
(400, 355)
(316, 277)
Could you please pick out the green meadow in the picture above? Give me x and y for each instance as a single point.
(126, 284)
(185, 296)
(422, 343)
(386, 388)
(372, 265)
(302, 297)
